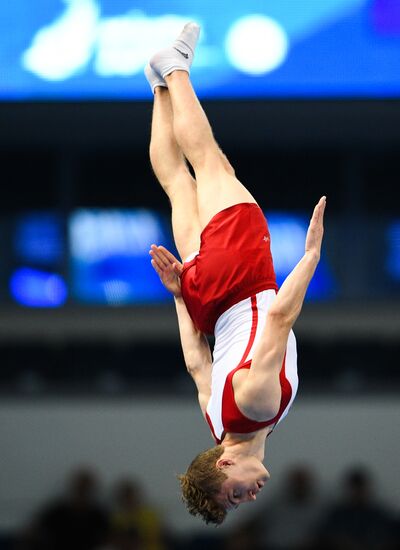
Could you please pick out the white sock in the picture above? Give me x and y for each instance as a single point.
(154, 79)
(180, 55)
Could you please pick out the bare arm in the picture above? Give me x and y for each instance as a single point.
(196, 350)
(290, 298)
(262, 388)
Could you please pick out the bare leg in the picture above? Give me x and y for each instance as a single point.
(217, 186)
(170, 167)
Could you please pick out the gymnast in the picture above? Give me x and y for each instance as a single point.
(224, 285)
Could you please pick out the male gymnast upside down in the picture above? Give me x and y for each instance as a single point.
(225, 285)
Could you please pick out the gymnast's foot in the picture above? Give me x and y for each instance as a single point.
(154, 79)
(179, 56)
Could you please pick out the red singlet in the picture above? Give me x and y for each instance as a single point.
(234, 263)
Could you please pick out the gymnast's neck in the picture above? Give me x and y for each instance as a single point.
(252, 444)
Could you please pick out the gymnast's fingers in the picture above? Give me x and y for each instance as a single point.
(156, 268)
(157, 261)
(171, 258)
(157, 253)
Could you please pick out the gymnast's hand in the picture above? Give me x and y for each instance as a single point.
(168, 268)
(316, 230)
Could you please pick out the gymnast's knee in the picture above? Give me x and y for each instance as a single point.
(213, 162)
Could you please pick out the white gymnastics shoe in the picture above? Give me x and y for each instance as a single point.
(179, 56)
(153, 78)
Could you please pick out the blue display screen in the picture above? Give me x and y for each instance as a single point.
(109, 256)
(100, 256)
(97, 49)
(393, 255)
(37, 288)
(38, 253)
(38, 238)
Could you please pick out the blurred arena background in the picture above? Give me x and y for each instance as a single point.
(97, 413)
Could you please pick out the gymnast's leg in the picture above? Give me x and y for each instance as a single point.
(170, 168)
(217, 186)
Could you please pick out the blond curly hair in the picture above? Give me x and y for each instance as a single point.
(201, 483)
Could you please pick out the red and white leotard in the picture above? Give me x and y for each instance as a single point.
(228, 287)
(237, 334)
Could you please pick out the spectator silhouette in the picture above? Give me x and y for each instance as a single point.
(74, 521)
(357, 521)
(134, 524)
(289, 521)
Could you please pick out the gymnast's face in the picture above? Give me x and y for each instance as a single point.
(246, 478)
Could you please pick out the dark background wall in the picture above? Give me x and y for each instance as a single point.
(96, 154)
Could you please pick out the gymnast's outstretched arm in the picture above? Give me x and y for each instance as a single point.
(290, 298)
(196, 350)
(261, 393)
